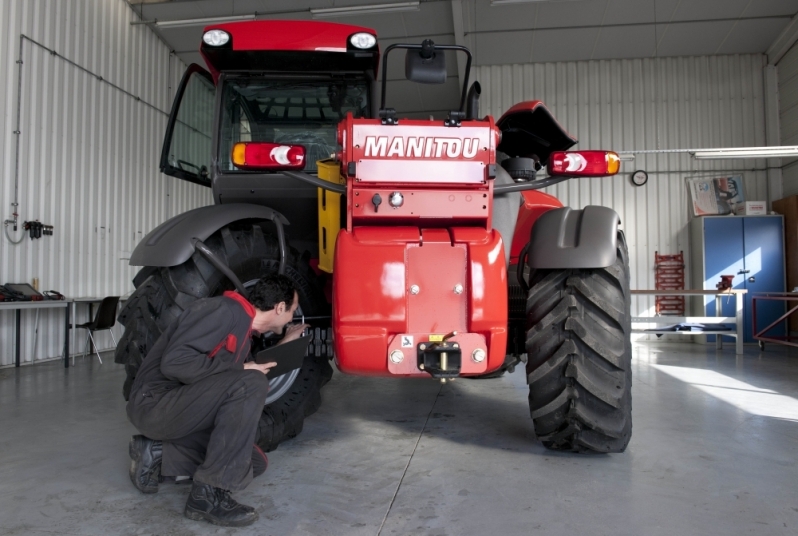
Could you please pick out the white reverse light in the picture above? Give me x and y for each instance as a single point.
(363, 40)
(216, 38)
(397, 356)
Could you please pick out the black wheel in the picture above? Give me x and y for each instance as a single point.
(762, 345)
(163, 293)
(579, 356)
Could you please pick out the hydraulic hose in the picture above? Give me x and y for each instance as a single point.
(315, 181)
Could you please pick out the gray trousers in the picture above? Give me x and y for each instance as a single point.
(207, 428)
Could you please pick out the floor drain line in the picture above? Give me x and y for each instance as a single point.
(418, 440)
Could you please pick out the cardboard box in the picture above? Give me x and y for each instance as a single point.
(788, 207)
(751, 208)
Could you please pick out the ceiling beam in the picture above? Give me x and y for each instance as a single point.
(783, 42)
(459, 36)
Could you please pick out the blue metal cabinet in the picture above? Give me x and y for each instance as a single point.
(752, 249)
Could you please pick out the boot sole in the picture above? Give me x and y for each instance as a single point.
(135, 458)
(198, 515)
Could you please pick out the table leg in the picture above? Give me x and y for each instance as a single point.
(35, 336)
(66, 337)
(74, 316)
(718, 306)
(738, 304)
(19, 319)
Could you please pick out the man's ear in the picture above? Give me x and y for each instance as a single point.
(279, 308)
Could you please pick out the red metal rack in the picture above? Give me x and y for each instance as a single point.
(669, 275)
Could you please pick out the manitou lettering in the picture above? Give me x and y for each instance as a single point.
(415, 147)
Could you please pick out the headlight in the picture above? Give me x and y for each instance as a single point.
(216, 38)
(363, 40)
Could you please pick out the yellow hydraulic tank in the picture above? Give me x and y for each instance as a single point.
(329, 213)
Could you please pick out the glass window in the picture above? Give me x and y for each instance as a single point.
(189, 152)
(290, 112)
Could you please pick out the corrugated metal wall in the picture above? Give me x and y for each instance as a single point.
(88, 161)
(788, 116)
(645, 104)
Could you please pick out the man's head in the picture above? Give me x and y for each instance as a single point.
(275, 300)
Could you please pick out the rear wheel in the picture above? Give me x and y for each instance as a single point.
(163, 293)
(579, 356)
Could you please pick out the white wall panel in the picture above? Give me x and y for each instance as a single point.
(88, 153)
(646, 104)
(788, 116)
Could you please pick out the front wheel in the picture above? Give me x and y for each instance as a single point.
(163, 293)
(580, 356)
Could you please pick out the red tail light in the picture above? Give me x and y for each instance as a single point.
(584, 163)
(268, 156)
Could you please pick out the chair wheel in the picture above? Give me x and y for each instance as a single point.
(761, 345)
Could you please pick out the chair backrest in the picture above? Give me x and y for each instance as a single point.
(106, 313)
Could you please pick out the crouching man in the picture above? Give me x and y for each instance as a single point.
(197, 402)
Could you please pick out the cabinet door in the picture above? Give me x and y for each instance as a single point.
(764, 266)
(723, 255)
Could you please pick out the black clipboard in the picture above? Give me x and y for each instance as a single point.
(288, 356)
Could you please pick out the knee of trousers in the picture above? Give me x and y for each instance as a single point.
(256, 382)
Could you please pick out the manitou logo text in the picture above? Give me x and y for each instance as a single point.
(413, 147)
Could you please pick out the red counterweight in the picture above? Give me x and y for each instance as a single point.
(419, 259)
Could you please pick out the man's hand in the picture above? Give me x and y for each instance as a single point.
(261, 367)
(293, 332)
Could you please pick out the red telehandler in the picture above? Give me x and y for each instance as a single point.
(420, 248)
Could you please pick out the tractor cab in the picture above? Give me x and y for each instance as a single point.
(282, 82)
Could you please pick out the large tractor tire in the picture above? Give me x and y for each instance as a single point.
(163, 293)
(579, 356)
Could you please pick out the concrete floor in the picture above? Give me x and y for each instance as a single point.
(713, 452)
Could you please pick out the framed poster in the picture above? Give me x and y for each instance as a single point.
(710, 197)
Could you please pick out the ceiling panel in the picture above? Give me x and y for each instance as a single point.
(752, 35)
(629, 12)
(500, 48)
(579, 13)
(563, 45)
(693, 38)
(709, 9)
(629, 42)
(483, 16)
(760, 8)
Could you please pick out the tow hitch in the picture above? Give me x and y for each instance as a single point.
(440, 359)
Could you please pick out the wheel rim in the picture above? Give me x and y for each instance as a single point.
(281, 384)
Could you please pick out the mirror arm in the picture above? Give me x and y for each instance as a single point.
(420, 47)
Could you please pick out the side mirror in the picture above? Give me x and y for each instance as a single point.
(427, 65)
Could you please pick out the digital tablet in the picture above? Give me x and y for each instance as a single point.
(288, 356)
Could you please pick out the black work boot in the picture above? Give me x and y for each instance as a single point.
(218, 507)
(145, 464)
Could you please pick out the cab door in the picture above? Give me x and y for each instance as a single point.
(187, 148)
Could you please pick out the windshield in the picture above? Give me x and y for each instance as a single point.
(290, 112)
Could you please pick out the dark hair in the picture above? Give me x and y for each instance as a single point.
(271, 290)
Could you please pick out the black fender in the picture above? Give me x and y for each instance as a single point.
(171, 244)
(567, 238)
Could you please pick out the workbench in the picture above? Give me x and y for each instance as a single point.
(737, 320)
(19, 306)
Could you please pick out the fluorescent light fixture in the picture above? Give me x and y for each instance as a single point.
(200, 22)
(508, 2)
(745, 152)
(363, 10)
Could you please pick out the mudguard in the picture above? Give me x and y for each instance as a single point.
(169, 244)
(567, 238)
